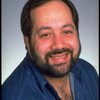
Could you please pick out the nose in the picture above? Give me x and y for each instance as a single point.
(58, 42)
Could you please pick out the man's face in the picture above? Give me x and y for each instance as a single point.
(54, 44)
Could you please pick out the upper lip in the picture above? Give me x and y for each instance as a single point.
(59, 55)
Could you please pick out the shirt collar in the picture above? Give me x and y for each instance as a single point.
(77, 71)
(38, 75)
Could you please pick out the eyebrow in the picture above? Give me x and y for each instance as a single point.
(48, 27)
(68, 25)
(43, 28)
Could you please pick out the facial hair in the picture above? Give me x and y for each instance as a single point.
(61, 69)
(52, 69)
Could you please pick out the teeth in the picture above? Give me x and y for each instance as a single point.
(59, 55)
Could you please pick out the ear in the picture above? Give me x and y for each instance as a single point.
(26, 41)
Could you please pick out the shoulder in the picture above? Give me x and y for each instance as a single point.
(86, 67)
(86, 71)
(86, 79)
(17, 82)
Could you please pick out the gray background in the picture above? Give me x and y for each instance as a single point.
(13, 49)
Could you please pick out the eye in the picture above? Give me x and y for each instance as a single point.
(68, 32)
(45, 35)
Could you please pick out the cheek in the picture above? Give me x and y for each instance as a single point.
(42, 48)
(74, 44)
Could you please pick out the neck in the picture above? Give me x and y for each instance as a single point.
(61, 86)
(58, 82)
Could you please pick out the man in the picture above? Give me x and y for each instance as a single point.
(51, 69)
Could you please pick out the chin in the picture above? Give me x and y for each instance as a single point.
(58, 70)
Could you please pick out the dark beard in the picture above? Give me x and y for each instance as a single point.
(50, 70)
(47, 69)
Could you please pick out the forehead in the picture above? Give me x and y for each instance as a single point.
(51, 11)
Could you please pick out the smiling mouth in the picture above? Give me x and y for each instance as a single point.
(61, 55)
(60, 58)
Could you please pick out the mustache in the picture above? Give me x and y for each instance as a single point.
(59, 51)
